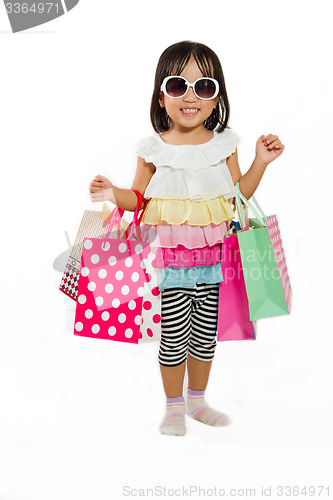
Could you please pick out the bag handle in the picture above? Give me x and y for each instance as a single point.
(116, 214)
(136, 221)
(136, 224)
(119, 212)
(256, 208)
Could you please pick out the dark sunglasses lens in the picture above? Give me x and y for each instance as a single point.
(205, 88)
(176, 87)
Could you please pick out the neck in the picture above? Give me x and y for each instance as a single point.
(179, 135)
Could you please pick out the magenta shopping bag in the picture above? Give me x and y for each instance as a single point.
(233, 314)
(111, 285)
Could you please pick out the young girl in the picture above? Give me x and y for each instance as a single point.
(188, 169)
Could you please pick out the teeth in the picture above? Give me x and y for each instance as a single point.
(190, 110)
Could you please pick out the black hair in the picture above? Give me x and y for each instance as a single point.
(172, 62)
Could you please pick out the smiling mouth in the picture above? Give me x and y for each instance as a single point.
(190, 111)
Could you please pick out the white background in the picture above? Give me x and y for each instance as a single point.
(79, 417)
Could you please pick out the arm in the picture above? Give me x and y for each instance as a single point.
(268, 148)
(125, 199)
(248, 182)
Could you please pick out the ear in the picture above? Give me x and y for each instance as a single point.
(161, 99)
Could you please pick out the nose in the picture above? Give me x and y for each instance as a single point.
(190, 95)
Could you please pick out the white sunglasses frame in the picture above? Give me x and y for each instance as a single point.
(167, 78)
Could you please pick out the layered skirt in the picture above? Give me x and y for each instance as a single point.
(187, 235)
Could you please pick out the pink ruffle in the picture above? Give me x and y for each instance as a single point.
(184, 257)
(169, 236)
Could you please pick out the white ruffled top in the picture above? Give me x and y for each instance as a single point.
(196, 172)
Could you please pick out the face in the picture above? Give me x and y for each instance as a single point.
(181, 109)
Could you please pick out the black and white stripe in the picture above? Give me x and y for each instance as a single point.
(188, 323)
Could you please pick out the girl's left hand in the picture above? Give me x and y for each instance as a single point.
(268, 148)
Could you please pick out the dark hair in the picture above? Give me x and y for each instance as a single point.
(172, 61)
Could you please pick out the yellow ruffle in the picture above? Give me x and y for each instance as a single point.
(194, 213)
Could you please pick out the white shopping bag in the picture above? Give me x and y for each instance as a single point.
(151, 306)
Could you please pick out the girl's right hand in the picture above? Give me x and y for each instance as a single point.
(104, 195)
(99, 182)
(101, 189)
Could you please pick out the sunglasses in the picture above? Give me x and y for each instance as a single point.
(176, 86)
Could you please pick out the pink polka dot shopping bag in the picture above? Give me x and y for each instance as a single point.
(92, 224)
(114, 285)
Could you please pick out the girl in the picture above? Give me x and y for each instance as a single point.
(188, 170)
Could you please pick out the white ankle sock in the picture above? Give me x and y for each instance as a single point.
(174, 420)
(197, 408)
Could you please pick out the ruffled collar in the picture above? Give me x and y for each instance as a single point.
(188, 156)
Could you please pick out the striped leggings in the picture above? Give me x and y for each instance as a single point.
(188, 323)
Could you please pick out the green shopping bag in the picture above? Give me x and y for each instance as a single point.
(263, 261)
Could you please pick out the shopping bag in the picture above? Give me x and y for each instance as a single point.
(264, 264)
(110, 293)
(233, 310)
(92, 225)
(150, 329)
